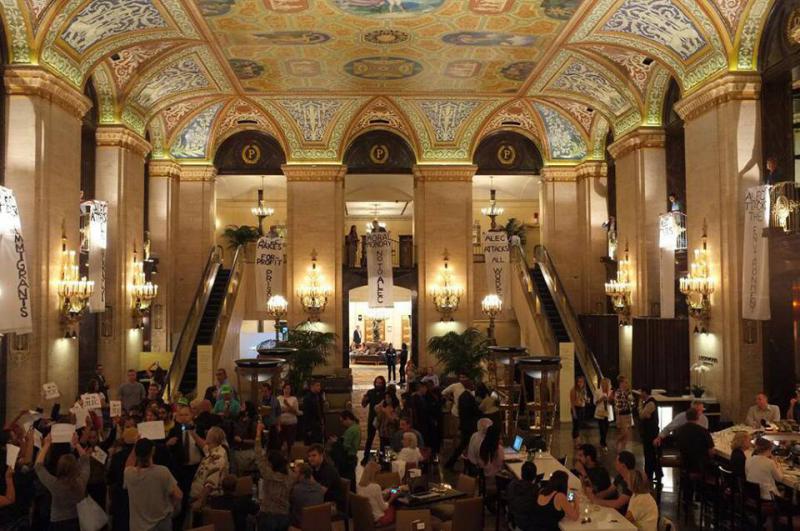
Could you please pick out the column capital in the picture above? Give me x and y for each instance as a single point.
(314, 172)
(560, 174)
(36, 81)
(643, 137)
(164, 168)
(730, 87)
(122, 137)
(198, 173)
(444, 172)
(592, 169)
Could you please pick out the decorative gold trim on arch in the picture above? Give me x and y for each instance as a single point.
(560, 174)
(35, 81)
(164, 168)
(444, 172)
(198, 173)
(121, 136)
(643, 137)
(730, 87)
(314, 172)
(591, 170)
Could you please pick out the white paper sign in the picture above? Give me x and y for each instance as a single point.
(115, 407)
(50, 391)
(153, 430)
(80, 416)
(97, 237)
(269, 270)
(37, 438)
(91, 401)
(11, 455)
(28, 419)
(496, 254)
(62, 433)
(380, 281)
(100, 455)
(15, 304)
(755, 270)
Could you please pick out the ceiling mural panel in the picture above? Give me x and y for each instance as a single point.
(192, 141)
(125, 63)
(186, 75)
(585, 79)
(445, 117)
(637, 65)
(101, 19)
(563, 138)
(388, 8)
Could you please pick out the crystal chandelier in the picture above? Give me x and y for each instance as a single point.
(261, 211)
(620, 290)
(314, 293)
(698, 287)
(492, 211)
(73, 290)
(446, 294)
(142, 290)
(371, 224)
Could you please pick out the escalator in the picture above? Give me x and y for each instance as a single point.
(549, 305)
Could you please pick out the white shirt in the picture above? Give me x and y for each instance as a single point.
(678, 421)
(645, 512)
(374, 494)
(755, 415)
(286, 417)
(474, 448)
(410, 455)
(456, 390)
(431, 378)
(764, 471)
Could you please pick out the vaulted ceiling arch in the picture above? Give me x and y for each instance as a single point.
(381, 113)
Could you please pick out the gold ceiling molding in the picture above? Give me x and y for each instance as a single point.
(314, 172)
(35, 81)
(730, 87)
(643, 137)
(198, 173)
(560, 174)
(592, 169)
(163, 168)
(444, 173)
(121, 136)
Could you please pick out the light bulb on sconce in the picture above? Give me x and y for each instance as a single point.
(446, 294)
(620, 289)
(698, 286)
(142, 290)
(73, 290)
(314, 293)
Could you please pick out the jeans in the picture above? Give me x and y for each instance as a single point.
(603, 424)
(391, 372)
(577, 419)
(273, 522)
(371, 431)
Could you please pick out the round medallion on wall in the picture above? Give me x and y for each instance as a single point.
(383, 68)
(506, 154)
(386, 36)
(251, 154)
(793, 27)
(379, 154)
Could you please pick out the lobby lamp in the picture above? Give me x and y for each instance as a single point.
(492, 211)
(446, 294)
(491, 306)
(73, 290)
(620, 290)
(698, 287)
(143, 292)
(261, 211)
(313, 292)
(277, 308)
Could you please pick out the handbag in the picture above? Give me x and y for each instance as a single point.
(91, 516)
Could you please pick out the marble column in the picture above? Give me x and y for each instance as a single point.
(592, 185)
(315, 223)
(723, 159)
(42, 166)
(195, 235)
(442, 222)
(162, 212)
(119, 180)
(641, 175)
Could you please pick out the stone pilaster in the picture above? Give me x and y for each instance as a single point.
(442, 222)
(196, 228)
(119, 180)
(592, 185)
(315, 223)
(723, 159)
(641, 196)
(42, 166)
(162, 211)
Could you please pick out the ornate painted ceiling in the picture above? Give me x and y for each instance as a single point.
(441, 73)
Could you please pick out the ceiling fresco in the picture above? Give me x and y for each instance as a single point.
(441, 73)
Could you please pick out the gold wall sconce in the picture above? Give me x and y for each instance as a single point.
(446, 294)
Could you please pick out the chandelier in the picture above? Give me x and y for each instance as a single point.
(277, 308)
(142, 290)
(698, 287)
(73, 290)
(620, 290)
(261, 211)
(371, 224)
(491, 305)
(314, 293)
(446, 294)
(492, 211)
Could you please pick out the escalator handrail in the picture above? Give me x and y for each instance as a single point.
(192, 323)
(543, 325)
(224, 317)
(568, 315)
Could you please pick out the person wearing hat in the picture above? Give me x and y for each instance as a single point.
(120, 515)
(227, 405)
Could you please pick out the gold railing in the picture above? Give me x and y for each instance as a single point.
(522, 270)
(226, 311)
(591, 369)
(189, 332)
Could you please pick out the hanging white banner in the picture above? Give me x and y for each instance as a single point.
(15, 306)
(495, 252)
(269, 269)
(379, 270)
(97, 241)
(755, 273)
(669, 230)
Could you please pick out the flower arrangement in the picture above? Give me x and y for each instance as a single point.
(697, 388)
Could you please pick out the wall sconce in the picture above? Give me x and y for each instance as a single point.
(142, 290)
(73, 291)
(698, 287)
(314, 293)
(277, 308)
(446, 295)
(620, 290)
(491, 306)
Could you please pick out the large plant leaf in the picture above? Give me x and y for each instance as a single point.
(461, 352)
(313, 348)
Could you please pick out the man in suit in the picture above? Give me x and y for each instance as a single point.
(391, 363)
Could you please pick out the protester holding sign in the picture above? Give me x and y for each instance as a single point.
(67, 487)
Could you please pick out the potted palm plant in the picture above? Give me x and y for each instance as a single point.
(240, 235)
(461, 352)
(312, 346)
(515, 227)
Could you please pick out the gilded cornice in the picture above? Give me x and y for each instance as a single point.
(121, 136)
(730, 87)
(644, 137)
(164, 168)
(314, 172)
(197, 173)
(34, 81)
(592, 169)
(444, 173)
(559, 174)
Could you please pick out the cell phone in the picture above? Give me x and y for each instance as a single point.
(571, 496)
(393, 491)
